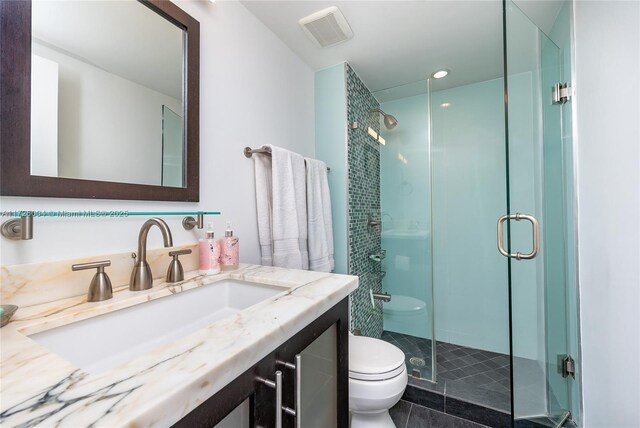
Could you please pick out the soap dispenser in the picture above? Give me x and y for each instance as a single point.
(229, 249)
(209, 253)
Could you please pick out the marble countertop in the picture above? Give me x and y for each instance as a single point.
(39, 388)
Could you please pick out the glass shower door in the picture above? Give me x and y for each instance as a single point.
(536, 225)
(405, 206)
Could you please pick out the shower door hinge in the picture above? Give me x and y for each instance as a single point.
(568, 365)
(561, 93)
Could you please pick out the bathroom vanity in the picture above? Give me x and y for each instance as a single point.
(184, 354)
(312, 370)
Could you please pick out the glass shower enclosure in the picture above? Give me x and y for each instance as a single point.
(484, 322)
(539, 184)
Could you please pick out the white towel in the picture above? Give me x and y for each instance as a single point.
(320, 226)
(289, 215)
(264, 198)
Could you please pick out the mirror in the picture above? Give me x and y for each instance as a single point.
(99, 98)
(105, 100)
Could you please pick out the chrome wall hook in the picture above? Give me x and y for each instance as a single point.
(18, 229)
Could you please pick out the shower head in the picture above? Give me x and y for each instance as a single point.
(389, 121)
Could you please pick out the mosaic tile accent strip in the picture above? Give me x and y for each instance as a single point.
(363, 155)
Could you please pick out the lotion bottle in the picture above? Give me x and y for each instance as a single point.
(209, 253)
(229, 250)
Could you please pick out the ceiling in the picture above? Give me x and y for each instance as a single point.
(399, 42)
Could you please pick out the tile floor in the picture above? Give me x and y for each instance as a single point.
(479, 376)
(470, 374)
(409, 415)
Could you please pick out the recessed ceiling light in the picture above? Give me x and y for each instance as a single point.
(440, 74)
(445, 105)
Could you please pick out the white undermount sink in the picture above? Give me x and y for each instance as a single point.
(103, 342)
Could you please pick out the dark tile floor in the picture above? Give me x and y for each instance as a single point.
(409, 415)
(474, 375)
(470, 374)
(471, 384)
(543, 422)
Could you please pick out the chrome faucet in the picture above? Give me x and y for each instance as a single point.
(141, 277)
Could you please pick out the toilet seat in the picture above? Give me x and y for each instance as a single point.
(374, 359)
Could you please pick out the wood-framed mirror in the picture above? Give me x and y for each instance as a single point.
(116, 119)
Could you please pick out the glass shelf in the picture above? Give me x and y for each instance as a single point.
(22, 228)
(100, 213)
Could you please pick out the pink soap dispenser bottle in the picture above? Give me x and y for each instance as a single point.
(209, 254)
(229, 249)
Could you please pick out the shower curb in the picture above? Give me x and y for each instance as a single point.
(456, 407)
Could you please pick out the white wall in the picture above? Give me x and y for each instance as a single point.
(331, 147)
(253, 91)
(607, 54)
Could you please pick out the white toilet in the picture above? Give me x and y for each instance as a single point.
(377, 379)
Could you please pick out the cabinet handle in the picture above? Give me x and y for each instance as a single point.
(277, 385)
(297, 412)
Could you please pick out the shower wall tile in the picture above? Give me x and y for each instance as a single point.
(363, 155)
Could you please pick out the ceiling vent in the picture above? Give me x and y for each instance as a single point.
(326, 27)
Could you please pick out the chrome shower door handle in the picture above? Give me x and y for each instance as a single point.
(535, 231)
(501, 249)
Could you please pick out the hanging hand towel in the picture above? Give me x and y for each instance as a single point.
(320, 227)
(289, 218)
(264, 197)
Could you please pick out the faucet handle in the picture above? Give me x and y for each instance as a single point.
(177, 253)
(175, 273)
(92, 265)
(100, 287)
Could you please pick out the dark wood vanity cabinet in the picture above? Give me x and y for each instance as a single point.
(322, 347)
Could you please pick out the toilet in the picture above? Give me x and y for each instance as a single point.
(407, 315)
(377, 379)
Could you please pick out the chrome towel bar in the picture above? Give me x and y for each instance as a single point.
(248, 152)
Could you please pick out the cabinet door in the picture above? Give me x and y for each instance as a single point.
(315, 371)
(319, 384)
(310, 379)
(240, 417)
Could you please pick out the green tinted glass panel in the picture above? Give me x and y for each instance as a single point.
(536, 187)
